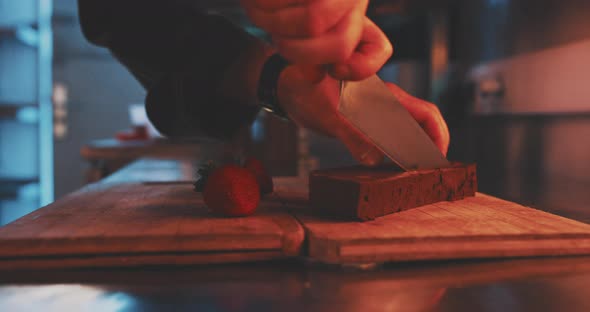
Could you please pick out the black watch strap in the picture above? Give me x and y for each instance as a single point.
(268, 85)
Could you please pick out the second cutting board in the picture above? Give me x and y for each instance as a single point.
(133, 224)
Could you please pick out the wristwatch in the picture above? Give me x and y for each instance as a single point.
(268, 85)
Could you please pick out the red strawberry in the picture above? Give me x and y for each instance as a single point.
(232, 191)
(264, 180)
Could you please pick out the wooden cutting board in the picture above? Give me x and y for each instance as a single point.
(133, 224)
(475, 227)
(127, 223)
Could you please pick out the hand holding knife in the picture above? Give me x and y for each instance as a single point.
(371, 108)
(364, 114)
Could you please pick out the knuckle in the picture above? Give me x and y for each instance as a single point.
(343, 50)
(364, 73)
(314, 23)
(388, 50)
(433, 108)
(340, 55)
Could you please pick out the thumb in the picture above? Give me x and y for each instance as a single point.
(427, 115)
(372, 52)
(313, 73)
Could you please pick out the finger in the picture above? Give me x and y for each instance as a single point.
(296, 77)
(335, 46)
(427, 115)
(302, 21)
(373, 51)
(313, 73)
(269, 5)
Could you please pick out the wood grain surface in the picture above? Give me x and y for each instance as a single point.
(127, 222)
(150, 221)
(475, 227)
(361, 193)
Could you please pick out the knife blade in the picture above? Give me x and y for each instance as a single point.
(372, 109)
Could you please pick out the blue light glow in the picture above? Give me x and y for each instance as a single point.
(28, 115)
(45, 105)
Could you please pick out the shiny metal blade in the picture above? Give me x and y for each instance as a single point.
(371, 108)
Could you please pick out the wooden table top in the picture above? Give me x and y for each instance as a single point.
(157, 147)
(533, 284)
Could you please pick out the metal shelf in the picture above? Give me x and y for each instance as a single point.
(26, 34)
(36, 34)
(10, 186)
(26, 113)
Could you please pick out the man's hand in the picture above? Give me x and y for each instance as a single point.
(314, 105)
(427, 115)
(323, 32)
(334, 37)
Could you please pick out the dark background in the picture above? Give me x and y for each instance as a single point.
(512, 78)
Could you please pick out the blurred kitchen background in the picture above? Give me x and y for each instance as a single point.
(512, 78)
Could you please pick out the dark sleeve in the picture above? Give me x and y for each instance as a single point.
(179, 55)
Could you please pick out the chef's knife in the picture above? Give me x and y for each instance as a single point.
(372, 109)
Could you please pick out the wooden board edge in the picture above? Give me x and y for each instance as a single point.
(293, 236)
(322, 250)
(137, 260)
(333, 252)
(466, 271)
(171, 244)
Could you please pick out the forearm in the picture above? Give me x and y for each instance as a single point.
(200, 71)
(240, 80)
(216, 103)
